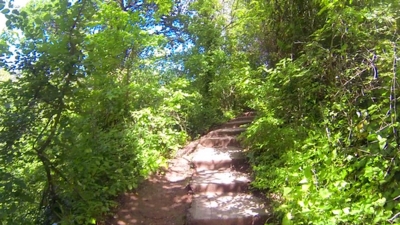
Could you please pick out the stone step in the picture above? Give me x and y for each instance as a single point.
(249, 113)
(237, 123)
(226, 132)
(219, 184)
(228, 209)
(219, 181)
(241, 118)
(207, 158)
(221, 142)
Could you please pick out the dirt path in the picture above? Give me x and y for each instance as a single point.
(163, 199)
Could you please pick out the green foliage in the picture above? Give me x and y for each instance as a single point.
(4, 76)
(103, 140)
(220, 72)
(102, 93)
(87, 117)
(326, 142)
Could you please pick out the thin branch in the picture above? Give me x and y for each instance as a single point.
(391, 220)
(393, 99)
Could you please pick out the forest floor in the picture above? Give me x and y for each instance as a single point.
(163, 199)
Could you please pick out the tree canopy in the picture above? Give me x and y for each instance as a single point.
(96, 95)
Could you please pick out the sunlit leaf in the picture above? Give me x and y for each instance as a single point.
(5, 11)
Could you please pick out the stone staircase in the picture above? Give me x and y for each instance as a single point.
(221, 180)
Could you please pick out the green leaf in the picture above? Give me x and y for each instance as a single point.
(303, 181)
(336, 211)
(286, 191)
(305, 187)
(5, 11)
(324, 193)
(372, 137)
(47, 17)
(24, 14)
(380, 202)
(344, 47)
(382, 142)
(307, 173)
(38, 20)
(287, 219)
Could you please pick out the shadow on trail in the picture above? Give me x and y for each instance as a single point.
(156, 202)
(163, 199)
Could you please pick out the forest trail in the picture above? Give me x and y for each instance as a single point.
(206, 183)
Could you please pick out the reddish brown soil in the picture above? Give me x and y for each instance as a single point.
(163, 199)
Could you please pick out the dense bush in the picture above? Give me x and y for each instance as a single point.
(83, 121)
(326, 142)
